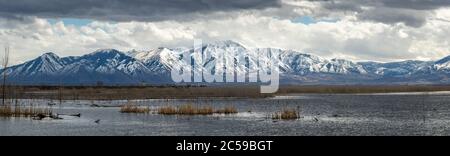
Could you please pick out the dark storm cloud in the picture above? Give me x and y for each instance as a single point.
(125, 10)
(410, 12)
(413, 18)
(403, 4)
(416, 4)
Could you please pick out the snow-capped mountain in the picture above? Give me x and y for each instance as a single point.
(47, 64)
(290, 61)
(302, 64)
(396, 69)
(109, 61)
(443, 64)
(160, 60)
(109, 66)
(102, 66)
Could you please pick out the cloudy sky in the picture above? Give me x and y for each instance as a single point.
(380, 30)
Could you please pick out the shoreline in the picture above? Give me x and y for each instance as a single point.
(205, 92)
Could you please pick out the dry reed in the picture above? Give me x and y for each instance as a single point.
(286, 114)
(132, 108)
(27, 111)
(189, 109)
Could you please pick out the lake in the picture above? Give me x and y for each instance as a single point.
(321, 114)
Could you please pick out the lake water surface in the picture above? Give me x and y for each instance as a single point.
(321, 114)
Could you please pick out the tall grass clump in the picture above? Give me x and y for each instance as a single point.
(133, 108)
(189, 109)
(286, 114)
(168, 110)
(27, 111)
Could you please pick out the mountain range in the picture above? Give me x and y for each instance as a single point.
(113, 67)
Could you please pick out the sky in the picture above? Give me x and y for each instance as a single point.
(358, 30)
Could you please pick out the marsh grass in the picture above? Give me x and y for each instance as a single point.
(286, 114)
(167, 110)
(119, 92)
(189, 109)
(24, 111)
(133, 108)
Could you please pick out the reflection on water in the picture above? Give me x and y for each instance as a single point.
(321, 114)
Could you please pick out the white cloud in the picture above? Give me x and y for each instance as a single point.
(346, 38)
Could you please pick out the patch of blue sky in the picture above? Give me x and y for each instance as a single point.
(70, 21)
(310, 20)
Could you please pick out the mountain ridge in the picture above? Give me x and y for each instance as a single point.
(110, 66)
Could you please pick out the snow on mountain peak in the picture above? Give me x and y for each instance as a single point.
(106, 55)
(105, 51)
(110, 65)
(224, 44)
(443, 60)
(442, 64)
(46, 64)
(50, 54)
(163, 59)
